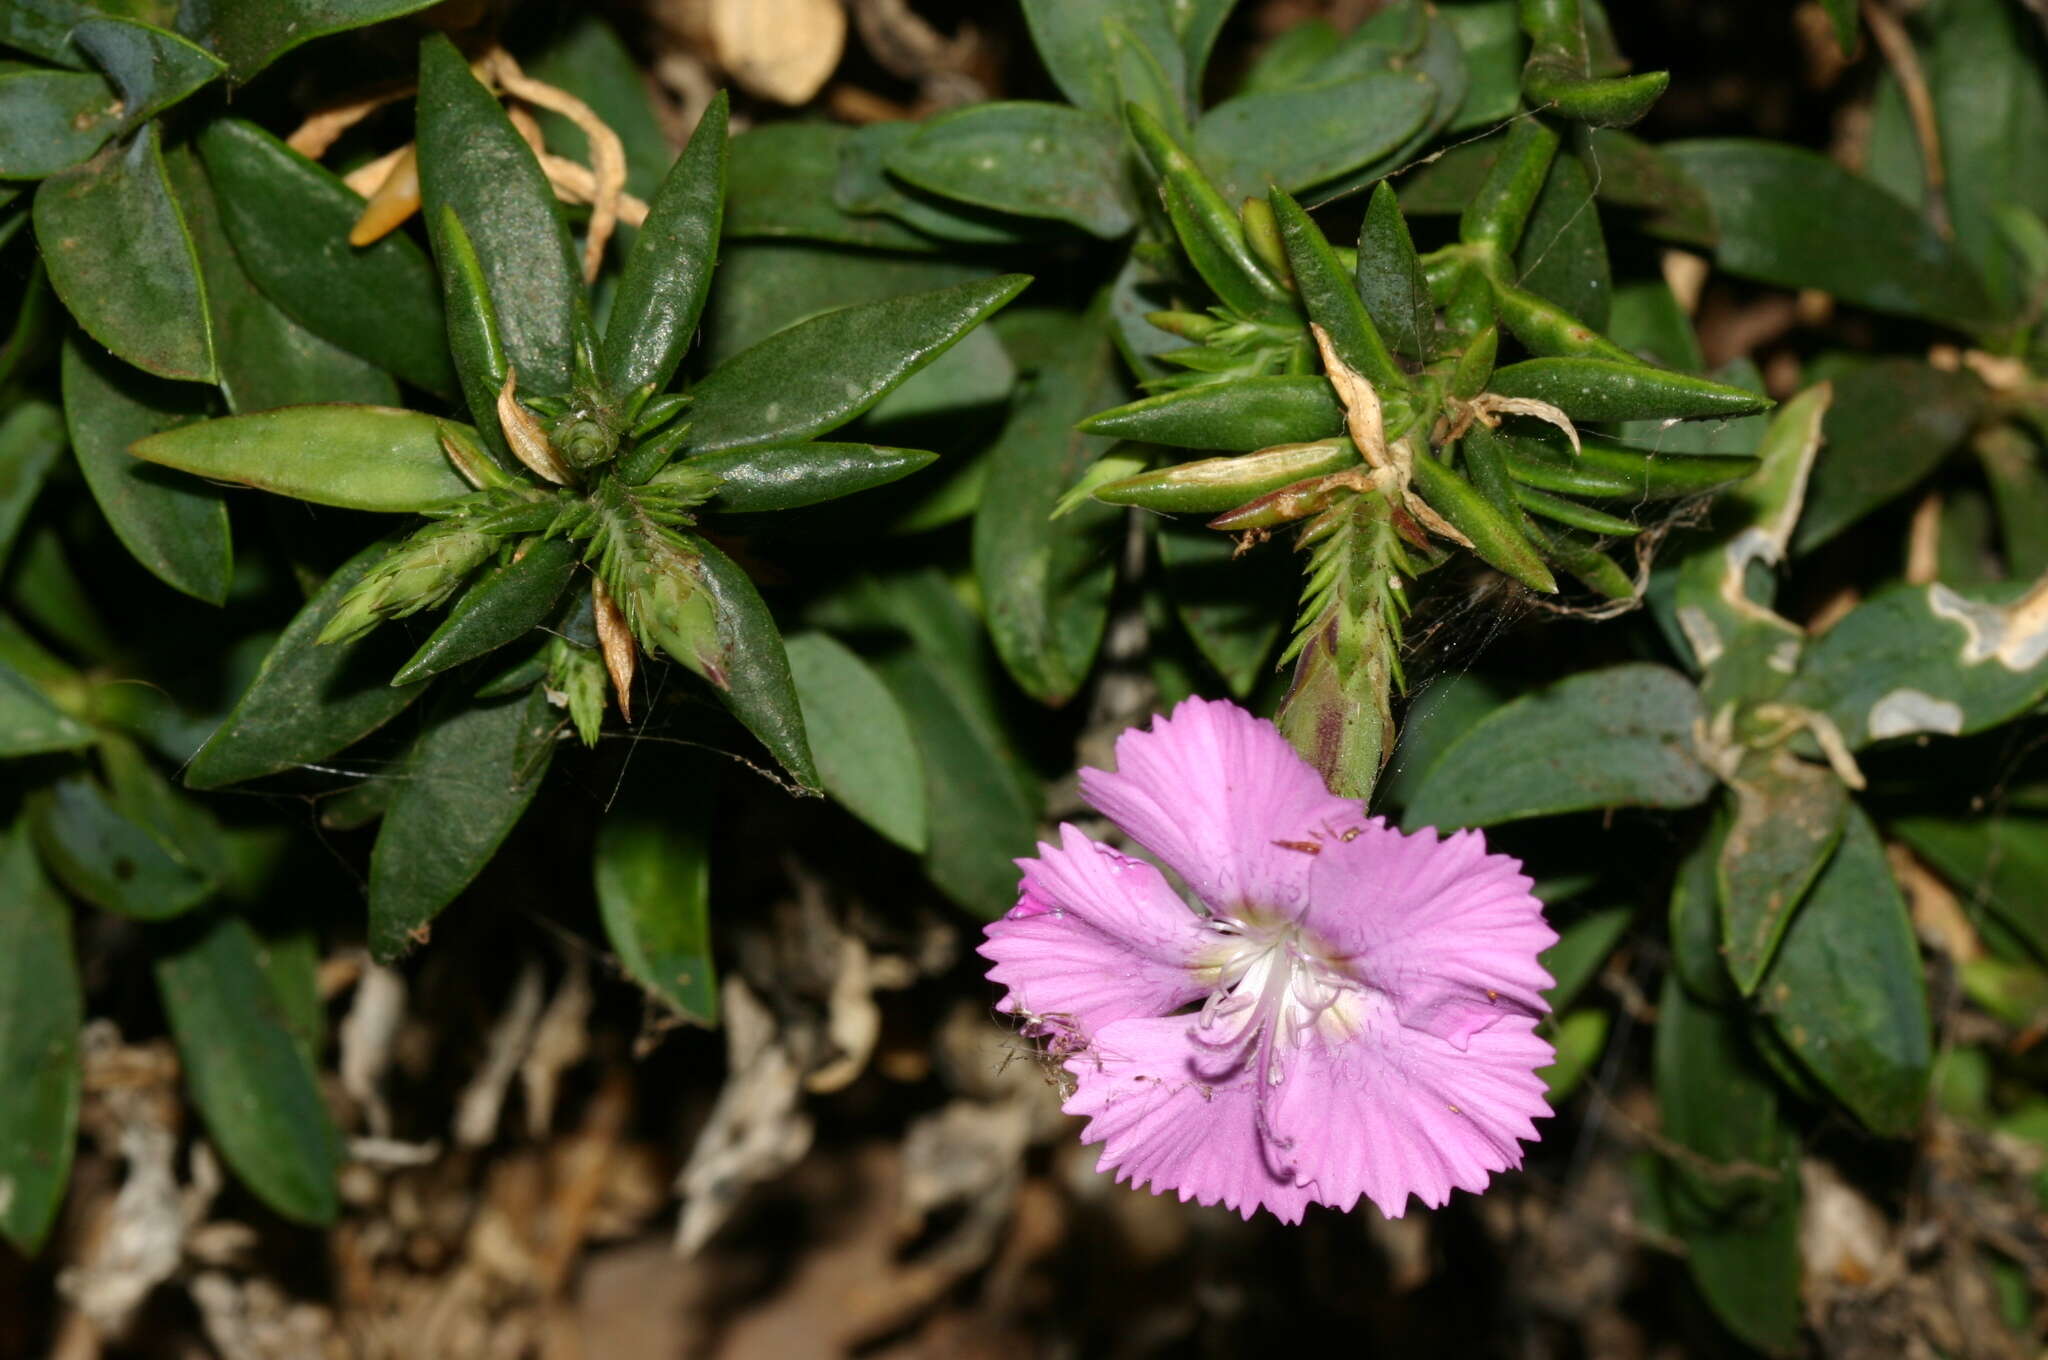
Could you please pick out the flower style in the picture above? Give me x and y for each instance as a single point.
(1346, 1011)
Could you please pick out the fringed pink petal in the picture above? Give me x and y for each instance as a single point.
(1445, 930)
(1395, 1111)
(1168, 1120)
(1222, 799)
(1095, 936)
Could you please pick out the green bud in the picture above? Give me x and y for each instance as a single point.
(1187, 325)
(1208, 485)
(1262, 234)
(420, 573)
(657, 412)
(576, 681)
(654, 577)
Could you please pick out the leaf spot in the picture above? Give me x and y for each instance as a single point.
(1906, 711)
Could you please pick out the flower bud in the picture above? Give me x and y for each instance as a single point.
(420, 573)
(576, 681)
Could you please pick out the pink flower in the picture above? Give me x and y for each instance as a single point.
(1347, 1011)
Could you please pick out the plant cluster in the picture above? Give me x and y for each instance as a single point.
(877, 433)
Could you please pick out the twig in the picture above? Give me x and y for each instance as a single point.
(1897, 47)
(607, 153)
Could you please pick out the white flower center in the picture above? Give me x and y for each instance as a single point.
(1276, 986)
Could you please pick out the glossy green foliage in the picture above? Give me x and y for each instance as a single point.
(307, 700)
(667, 277)
(474, 163)
(357, 457)
(819, 374)
(1792, 217)
(467, 779)
(250, 34)
(867, 758)
(1847, 992)
(249, 1075)
(652, 871)
(289, 221)
(1033, 160)
(1620, 737)
(41, 1008)
(115, 242)
(1045, 582)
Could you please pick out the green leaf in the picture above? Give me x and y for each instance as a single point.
(1998, 861)
(818, 374)
(1079, 46)
(41, 1009)
(1983, 68)
(289, 220)
(235, 862)
(1598, 390)
(1562, 255)
(2019, 491)
(475, 341)
(1630, 173)
(1794, 218)
(43, 27)
(1645, 319)
(1842, 15)
(1892, 422)
(758, 687)
(308, 701)
(253, 1083)
(782, 177)
(1847, 992)
(30, 724)
(1917, 659)
(1331, 298)
(108, 859)
(119, 256)
(31, 438)
(1044, 582)
(1237, 417)
(1437, 716)
(473, 161)
(783, 477)
(250, 34)
(1302, 137)
(175, 527)
(1027, 158)
(356, 457)
(266, 359)
(1198, 22)
(151, 68)
(864, 185)
(1490, 39)
(1578, 1040)
(463, 787)
(1234, 608)
(1434, 58)
(52, 120)
(866, 755)
(1788, 815)
(1617, 737)
(1390, 279)
(667, 276)
(982, 802)
(503, 607)
(1747, 651)
(1581, 948)
(1695, 918)
(1735, 1199)
(652, 866)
